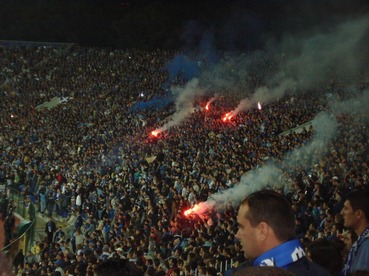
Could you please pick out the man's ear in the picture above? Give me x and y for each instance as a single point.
(263, 230)
(359, 214)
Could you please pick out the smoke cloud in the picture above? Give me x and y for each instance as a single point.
(306, 62)
(272, 174)
(357, 106)
(325, 55)
(184, 103)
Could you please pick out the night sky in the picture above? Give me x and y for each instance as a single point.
(231, 24)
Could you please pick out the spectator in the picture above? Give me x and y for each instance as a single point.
(355, 213)
(263, 271)
(328, 254)
(266, 232)
(50, 228)
(29, 258)
(93, 144)
(18, 260)
(117, 267)
(59, 234)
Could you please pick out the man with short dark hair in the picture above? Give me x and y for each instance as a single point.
(266, 232)
(115, 267)
(59, 234)
(355, 214)
(50, 228)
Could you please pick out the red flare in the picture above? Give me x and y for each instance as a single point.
(154, 133)
(191, 210)
(207, 106)
(227, 117)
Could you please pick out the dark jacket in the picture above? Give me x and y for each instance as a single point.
(305, 267)
(302, 267)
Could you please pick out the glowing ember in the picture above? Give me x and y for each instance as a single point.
(259, 105)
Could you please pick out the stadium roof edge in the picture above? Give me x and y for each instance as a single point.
(18, 43)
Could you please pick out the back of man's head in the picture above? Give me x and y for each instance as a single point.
(262, 271)
(274, 209)
(115, 267)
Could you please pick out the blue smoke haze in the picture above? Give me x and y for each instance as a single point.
(156, 103)
(183, 66)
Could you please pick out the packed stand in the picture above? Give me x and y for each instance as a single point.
(123, 192)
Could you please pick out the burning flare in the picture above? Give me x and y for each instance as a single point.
(155, 133)
(191, 210)
(259, 105)
(210, 101)
(207, 106)
(228, 116)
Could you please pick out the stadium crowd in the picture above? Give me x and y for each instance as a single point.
(92, 162)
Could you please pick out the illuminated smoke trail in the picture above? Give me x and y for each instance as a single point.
(211, 101)
(184, 104)
(243, 105)
(308, 61)
(325, 127)
(266, 95)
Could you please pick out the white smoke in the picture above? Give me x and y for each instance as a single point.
(271, 174)
(183, 103)
(314, 60)
(216, 96)
(307, 62)
(357, 106)
(325, 127)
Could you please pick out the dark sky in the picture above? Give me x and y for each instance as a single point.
(168, 23)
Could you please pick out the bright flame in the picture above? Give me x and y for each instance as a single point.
(154, 133)
(191, 210)
(227, 117)
(207, 106)
(259, 105)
